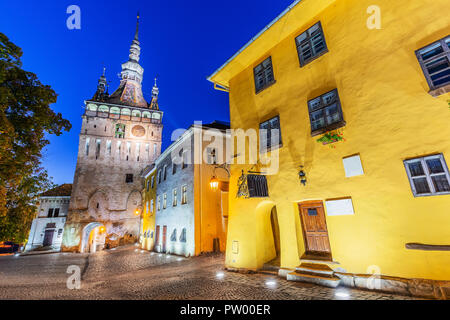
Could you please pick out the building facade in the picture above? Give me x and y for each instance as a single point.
(359, 96)
(190, 217)
(121, 134)
(47, 229)
(148, 214)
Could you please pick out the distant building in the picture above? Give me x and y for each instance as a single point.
(190, 217)
(48, 226)
(120, 135)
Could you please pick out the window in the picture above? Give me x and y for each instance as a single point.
(119, 147)
(263, 75)
(147, 150)
(138, 151)
(159, 203)
(174, 168)
(97, 150)
(175, 198)
(270, 134)
(435, 62)
(311, 44)
(257, 186)
(159, 176)
(56, 213)
(183, 235)
(155, 146)
(185, 159)
(108, 147)
(165, 172)
(428, 176)
(173, 237)
(325, 113)
(153, 182)
(87, 146)
(165, 201)
(129, 178)
(120, 131)
(211, 156)
(148, 185)
(50, 213)
(151, 205)
(184, 195)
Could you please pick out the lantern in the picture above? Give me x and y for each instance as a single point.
(214, 183)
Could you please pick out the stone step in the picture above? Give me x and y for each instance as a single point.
(315, 268)
(323, 280)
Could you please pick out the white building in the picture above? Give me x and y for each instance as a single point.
(191, 218)
(48, 226)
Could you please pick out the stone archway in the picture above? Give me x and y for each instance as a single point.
(92, 237)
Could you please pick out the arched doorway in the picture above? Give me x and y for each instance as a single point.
(267, 238)
(276, 236)
(93, 238)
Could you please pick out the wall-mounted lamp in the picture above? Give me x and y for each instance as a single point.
(214, 183)
(302, 176)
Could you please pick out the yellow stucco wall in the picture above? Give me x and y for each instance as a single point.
(149, 213)
(210, 222)
(390, 117)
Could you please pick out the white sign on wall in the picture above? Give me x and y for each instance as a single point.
(353, 166)
(341, 207)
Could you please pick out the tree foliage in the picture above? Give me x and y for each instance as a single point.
(25, 119)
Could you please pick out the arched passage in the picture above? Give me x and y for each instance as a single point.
(93, 237)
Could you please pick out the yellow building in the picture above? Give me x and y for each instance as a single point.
(148, 213)
(359, 92)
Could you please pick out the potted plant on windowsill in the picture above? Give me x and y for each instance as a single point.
(331, 137)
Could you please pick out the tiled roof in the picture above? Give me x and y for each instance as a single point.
(63, 190)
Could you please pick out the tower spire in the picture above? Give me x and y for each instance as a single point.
(136, 36)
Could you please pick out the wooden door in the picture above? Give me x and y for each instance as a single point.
(315, 230)
(157, 236)
(164, 247)
(48, 238)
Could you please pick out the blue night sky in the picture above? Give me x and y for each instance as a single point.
(182, 41)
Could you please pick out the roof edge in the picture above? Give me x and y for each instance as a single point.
(281, 15)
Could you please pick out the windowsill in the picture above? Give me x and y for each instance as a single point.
(431, 194)
(334, 126)
(266, 86)
(440, 91)
(304, 64)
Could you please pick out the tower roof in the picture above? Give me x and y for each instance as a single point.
(129, 92)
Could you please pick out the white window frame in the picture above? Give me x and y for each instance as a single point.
(427, 175)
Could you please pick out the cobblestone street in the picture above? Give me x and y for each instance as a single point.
(129, 273)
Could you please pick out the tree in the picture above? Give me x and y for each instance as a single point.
(25, 119)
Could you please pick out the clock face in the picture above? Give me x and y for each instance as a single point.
(138, 131)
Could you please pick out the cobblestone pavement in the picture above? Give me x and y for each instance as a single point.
(129, 273)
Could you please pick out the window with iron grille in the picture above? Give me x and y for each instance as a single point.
(311, 44)
(435, 62)
(56, 213)
(263, 75)
(50, 213)
(270, 134)
(325, 113)
(257, 186)
(429, 176)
